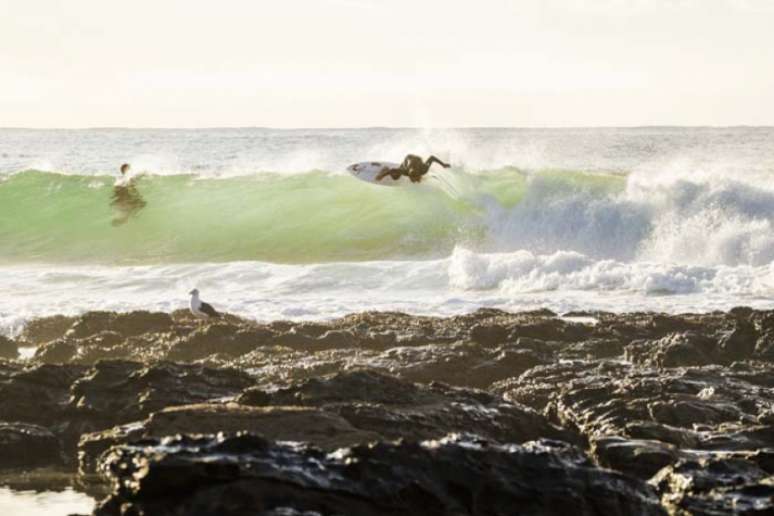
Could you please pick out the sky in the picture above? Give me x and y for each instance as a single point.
(365, 63)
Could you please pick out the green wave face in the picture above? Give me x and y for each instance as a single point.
(303, 218)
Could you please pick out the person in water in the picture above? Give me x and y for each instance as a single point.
(413, 167)
(126, 200)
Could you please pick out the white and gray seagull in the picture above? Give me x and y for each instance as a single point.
(201, 309)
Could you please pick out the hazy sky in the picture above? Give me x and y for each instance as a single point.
(351, 63)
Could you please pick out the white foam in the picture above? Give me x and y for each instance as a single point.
(523, 272)
(562, 281)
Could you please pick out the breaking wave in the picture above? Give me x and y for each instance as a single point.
(323, 216)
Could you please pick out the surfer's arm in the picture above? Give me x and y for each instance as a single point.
(433, 159)
(133, 180)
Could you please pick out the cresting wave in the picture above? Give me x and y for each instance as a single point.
(320, 216)
(282, 218)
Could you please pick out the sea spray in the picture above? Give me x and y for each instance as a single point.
(269, 224)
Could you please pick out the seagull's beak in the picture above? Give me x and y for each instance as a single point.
(191, 292)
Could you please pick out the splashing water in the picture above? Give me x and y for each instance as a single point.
(583, 218)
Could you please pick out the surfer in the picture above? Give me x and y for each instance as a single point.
(126, 200)
(413, 167)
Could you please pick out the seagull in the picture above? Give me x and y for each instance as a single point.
(201, 309)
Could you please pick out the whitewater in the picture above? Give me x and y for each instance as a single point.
(268, 225)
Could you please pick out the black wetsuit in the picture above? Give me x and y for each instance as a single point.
(414, 167)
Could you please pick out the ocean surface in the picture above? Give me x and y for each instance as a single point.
(267, 223)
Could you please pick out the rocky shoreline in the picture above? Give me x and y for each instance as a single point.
(387, 413)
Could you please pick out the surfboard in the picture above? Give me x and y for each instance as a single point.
(367, 171)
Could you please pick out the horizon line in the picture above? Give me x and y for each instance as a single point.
(379, 127)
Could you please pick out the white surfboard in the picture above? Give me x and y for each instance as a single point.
(367, 171)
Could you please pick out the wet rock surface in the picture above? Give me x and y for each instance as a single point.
(27, 445)
(70, 400)
(676, 411)
(37, 393)
(8, 348)
(452, 475)
(116, 392)
(717, 484)
(301, 424)
(396, 409)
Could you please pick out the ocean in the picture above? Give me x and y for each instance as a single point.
(268, 224)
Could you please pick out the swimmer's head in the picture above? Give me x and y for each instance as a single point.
(124, 168)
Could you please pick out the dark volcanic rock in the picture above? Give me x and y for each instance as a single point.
(484, 338)
(458, 363)
(636, 326)
(545, 328)
(644, 393)
(716, 484)
(764, 347)
(456, 475)
(739, 343)
(674, 350)
(593, 349)
(24, 445)
(111, 345)
(224, 339)
(104, 345)
(489, 335)
(361, 386)
(303, 424)
(71, 400)
(8, 348)
(394, 408)
(126, 324)
(36, 394)
(636, 457)
(46, 329)
(463, 364)
(117, 392)
(638, 419)
(311, 339)
(59, 351)
(104, 335)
